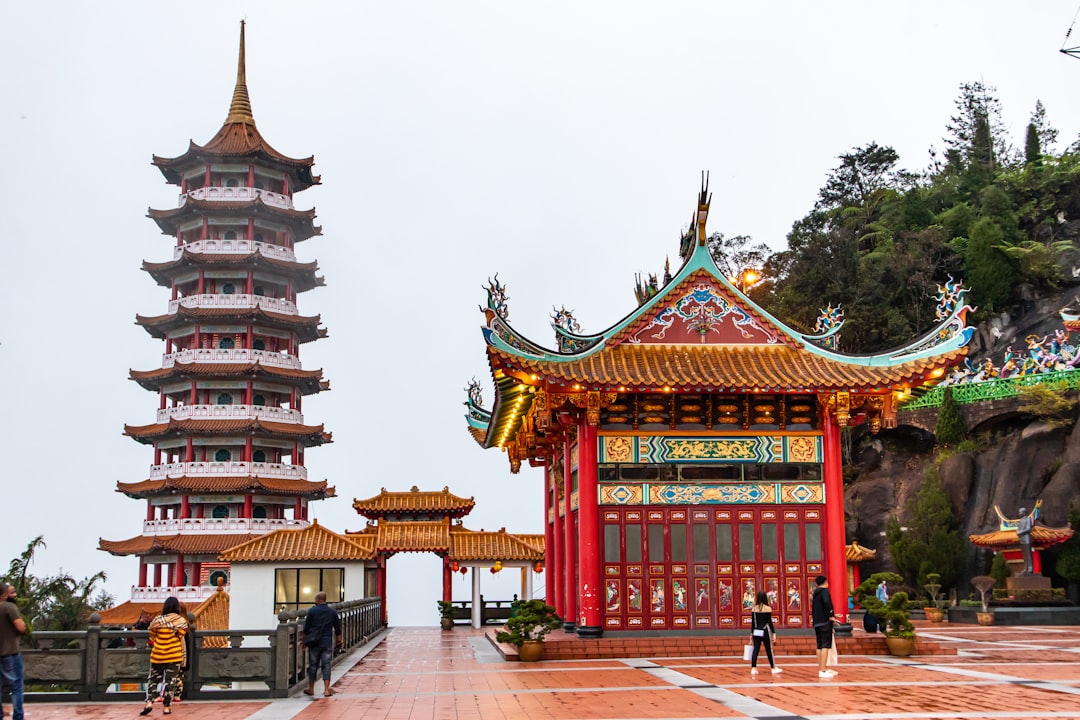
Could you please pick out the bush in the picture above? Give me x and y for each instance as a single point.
(533, 621)
(951, 428)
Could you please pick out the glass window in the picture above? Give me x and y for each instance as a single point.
(295, 588)
(258, 456)
(232, 182)
(224, 399)
(710, 472)
(656, 543)
(230, 235)
(768, 542)
(226, 343)
(259, 400)
(678, 543)
(723, 542)
(791, 543)
(701, 542)
(639, 472)
(746, 542)
(218, 575)
(220, 511)
(259, 512)
(258, 344)
(258, 290)
(612, 537)
(228, 288)
(813, 541)
(633, 543)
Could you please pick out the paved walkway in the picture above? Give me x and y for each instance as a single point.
(1019, 673)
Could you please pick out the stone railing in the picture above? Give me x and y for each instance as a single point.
(223, 526)
(235, 246)
(228, 469)
(234, 300)
(236, 355)
(237, 194)
(185, 594)
(997, 389)
(90, 664)
(229, 412)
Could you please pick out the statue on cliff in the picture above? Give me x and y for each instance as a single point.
(1023, 526)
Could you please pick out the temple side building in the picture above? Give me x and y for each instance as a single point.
(690, 453)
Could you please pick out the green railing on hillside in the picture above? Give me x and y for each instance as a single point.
(997, 389)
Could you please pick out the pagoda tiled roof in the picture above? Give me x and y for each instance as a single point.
(473, 545)
(303, 274)
(185, 544)
(238, 138)
(308, 381)
(1041, 537)
(857, 553)
(230, 484)
(128, 613)
(306, 327)
(413, 536)
(414, 502)
(313, 434)
(302, 222)
(312, 543)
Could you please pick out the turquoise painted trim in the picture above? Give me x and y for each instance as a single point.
(750, 449)
(997, 389)
(717, 494)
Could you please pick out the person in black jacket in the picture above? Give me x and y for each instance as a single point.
(764, 632)
(822, 616)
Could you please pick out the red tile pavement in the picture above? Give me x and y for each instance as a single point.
(999, 673)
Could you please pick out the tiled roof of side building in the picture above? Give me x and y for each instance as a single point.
(414, 501)
(314, 542)
(190, 544)
(857, 553)
(229, 484)
(468, 545)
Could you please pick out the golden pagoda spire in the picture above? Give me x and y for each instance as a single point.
(240, 109)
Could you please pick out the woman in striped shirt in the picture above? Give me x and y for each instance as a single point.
(167, 632)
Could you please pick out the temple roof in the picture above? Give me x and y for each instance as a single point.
(306, 328)
(311, 434)
(302, 274)
(128, 613)
(1041, 537)
(857, 553)
(307, 381)
(414, 502)
(184, 544)
(213, 614)
(313, 543)
(413, 536)
(238, 138)
(470, 545)
(229, 484)
(302, 222)
(698, 333)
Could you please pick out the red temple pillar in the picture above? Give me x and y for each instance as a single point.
(590, 623)
(835, 555)
(149, 509)
(380, 583)
(185, 507)
(142, 572)
(178, 572)
(447, 575)
(157, 574)
(555, 567)
(549, 535)
(570, 555)
(248, 504)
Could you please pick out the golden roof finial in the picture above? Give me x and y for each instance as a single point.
(240, 109)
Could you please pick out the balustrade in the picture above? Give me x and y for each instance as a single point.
(996, 389)
(228, 469)
(237, 355)
(234, 300)
(220, 526)
(229, 412)
(237, 194)
(235, 247)
(186, 594)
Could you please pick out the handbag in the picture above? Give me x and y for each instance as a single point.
(748, 652)
(832, 657)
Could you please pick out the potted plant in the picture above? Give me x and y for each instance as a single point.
(446, 614)
(984, 584)
(935, 611)
(894, 616)
(526, 629)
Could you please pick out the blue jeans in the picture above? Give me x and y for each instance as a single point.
(317, 657)
(11, 675)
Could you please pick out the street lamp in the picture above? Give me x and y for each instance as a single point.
(745, 279)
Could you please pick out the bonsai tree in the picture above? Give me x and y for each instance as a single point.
(984, 584)
(895, 615)
(534, 620)
(933, 589)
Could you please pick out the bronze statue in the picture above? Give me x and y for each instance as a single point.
(1023, 526)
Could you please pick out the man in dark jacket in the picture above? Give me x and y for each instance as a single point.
(321, 627)
(821, 614)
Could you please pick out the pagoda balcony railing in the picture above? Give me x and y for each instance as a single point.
(228, 469)
(220, 526)
(185, 594)
(237, 194)
(234, 300)
(235, 355)
(997, 389)
(235, 247)
(230, 412)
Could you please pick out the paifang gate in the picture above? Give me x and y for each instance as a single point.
(691, 452)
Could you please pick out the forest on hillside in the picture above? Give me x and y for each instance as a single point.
(1003, 218)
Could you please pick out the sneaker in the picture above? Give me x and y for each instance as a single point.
(753, 671)
(832, 672)
(776, 671)
(824, 674)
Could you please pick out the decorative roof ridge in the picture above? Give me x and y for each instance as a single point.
(312, 529)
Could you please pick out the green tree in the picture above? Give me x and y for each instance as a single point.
(736, 254)
(1068, 555)
(932, 542)
(951, 427)
(1032, 148)
(989, 271)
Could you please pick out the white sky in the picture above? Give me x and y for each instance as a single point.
(558, 144)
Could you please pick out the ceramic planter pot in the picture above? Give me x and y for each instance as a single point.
(900, 646)
(447, 623)
(531, 650)
(935, 614)
(985, 618)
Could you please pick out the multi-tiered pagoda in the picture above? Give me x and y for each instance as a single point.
(229, 436)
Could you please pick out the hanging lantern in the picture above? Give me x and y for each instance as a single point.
(464, 570)
(454, 566)
(498, 566)
(538, 566)
(493, 571)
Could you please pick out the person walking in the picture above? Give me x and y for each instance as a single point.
(321, 626)
(11, 664)
(764, 632)
(167, 632)
(882, 592)
(823, 617)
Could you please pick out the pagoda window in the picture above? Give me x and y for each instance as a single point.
(230, 235)
(259, 512)
(226, 343)
(258, 237)
(228, 289)
(225, 399)
(258, 344)
(258, 184)
(258, 456)
(258, 290)
(223, 455)
(232, 182)
(259, 400)
(218, 576)
(220, 512)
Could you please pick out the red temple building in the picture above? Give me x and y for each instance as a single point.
(691, 452)
(229, 435)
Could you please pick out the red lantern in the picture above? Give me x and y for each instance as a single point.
(454, 566)
(464, 570)
(538, 566)
(493, 571)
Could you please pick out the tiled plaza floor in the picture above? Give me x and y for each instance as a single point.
(1014, 673)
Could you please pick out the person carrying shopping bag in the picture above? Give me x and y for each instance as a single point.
(764, 632)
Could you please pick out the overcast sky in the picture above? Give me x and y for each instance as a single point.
(558, 144)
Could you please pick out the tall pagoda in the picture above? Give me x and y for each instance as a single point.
(691, 452)
(229, 436)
